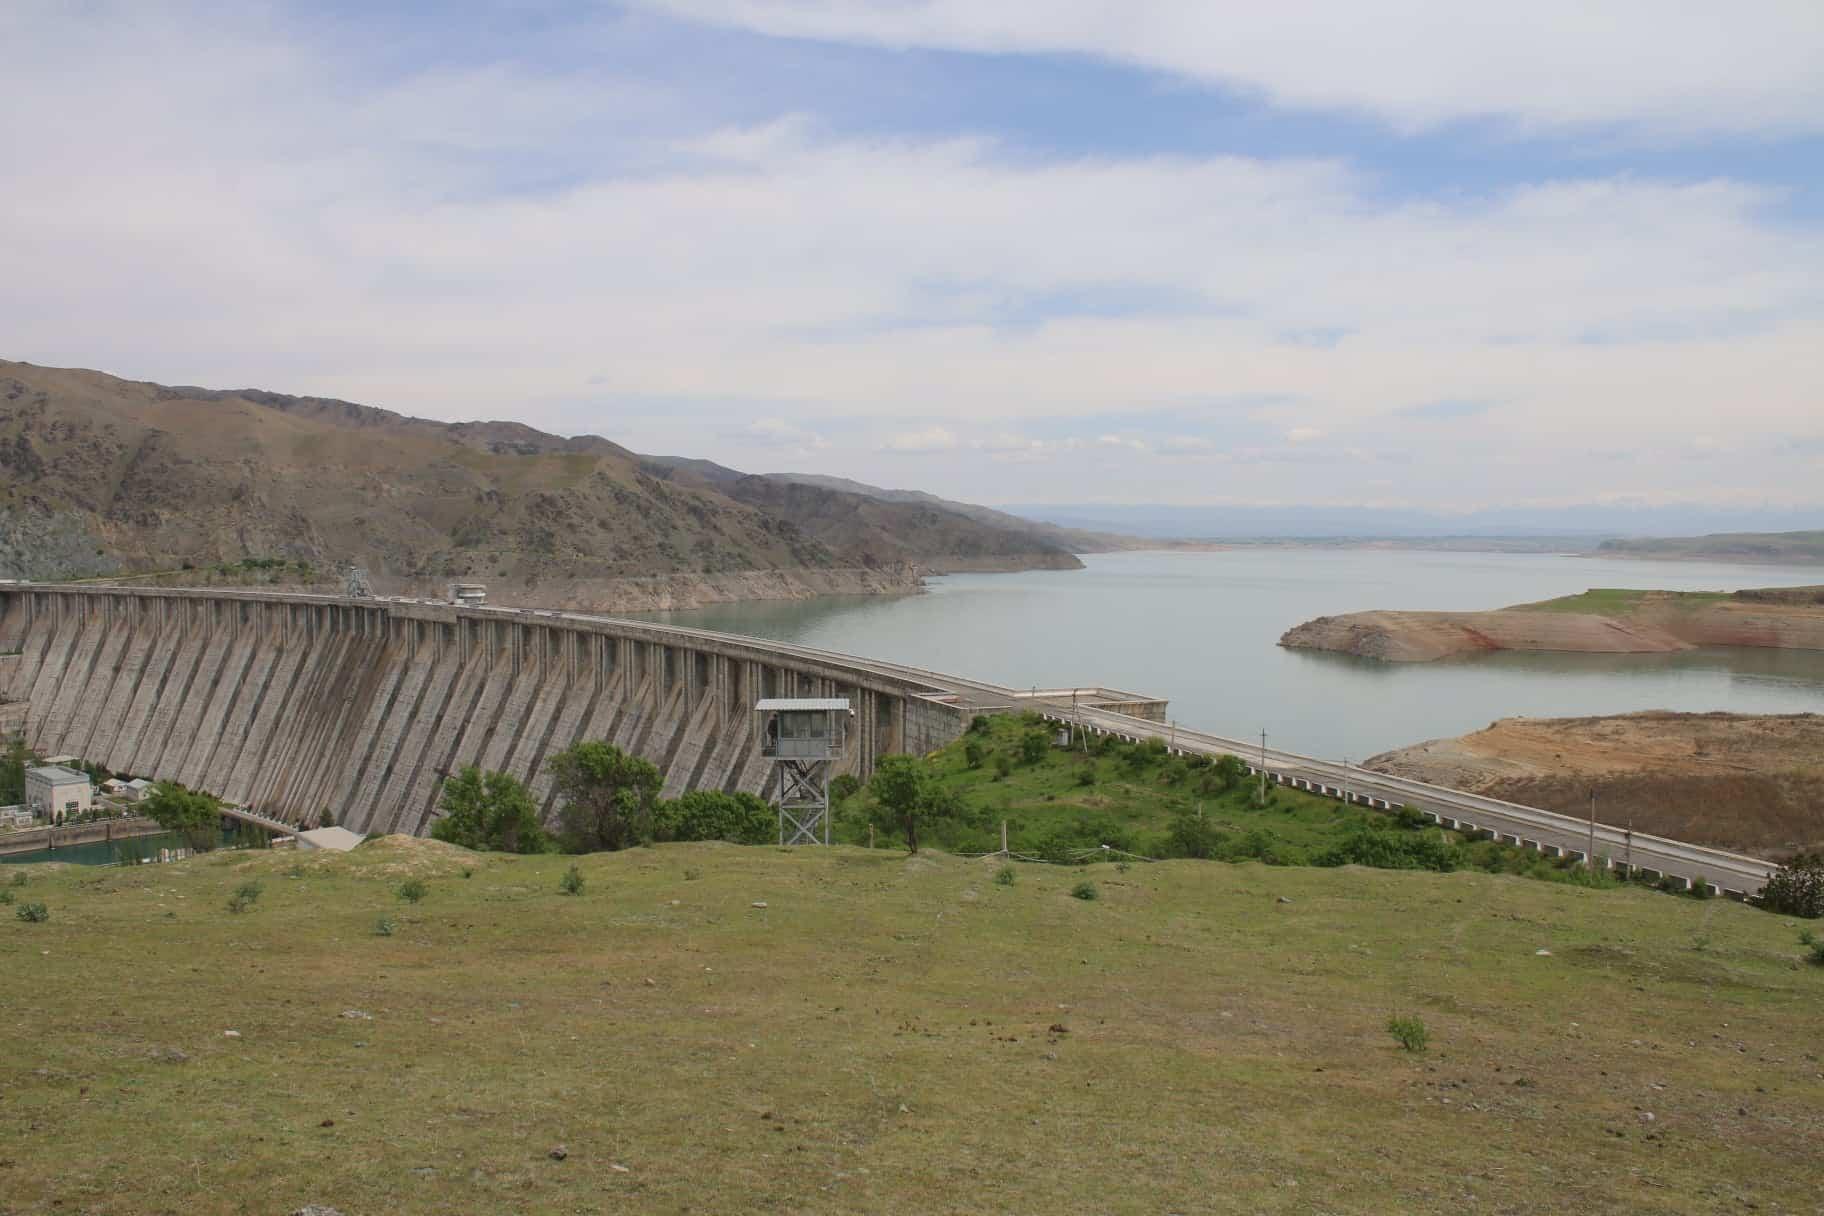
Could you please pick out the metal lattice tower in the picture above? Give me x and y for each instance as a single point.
(804, 737)
(355, 585)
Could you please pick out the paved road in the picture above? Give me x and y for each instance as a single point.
(1533, 827)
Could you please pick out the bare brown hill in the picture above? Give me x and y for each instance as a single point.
(100, 475)
(1751, 783)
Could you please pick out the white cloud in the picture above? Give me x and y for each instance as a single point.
(931, 439)
(1750, 66)
(255, 223)
(1303, 434)
(778, 433)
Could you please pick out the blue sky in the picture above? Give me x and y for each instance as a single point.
(1398, 253)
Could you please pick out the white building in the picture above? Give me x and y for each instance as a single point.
(56, 793)
(136, 790)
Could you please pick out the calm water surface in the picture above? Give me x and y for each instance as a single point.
(1202, 629)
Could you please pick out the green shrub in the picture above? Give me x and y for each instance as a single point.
(384, 927)
(412, 890)
(844, 787)
(572, 881)
(1085, 890)
(1192, 835)
(245, 896)
(1086, 775)
(1387, 850)
(1035, 745)
(21, 878)
(974, 752)
(1409, 1033)
(1815, 944)
(692, 875)
(1004, 876)
(1003, 767)
(6, 896)
(1796, 888)
(979, 725)
(1701, 888)
(740, 818)
(36, 914)
(1410, 817)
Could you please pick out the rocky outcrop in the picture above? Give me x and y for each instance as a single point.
(1418, 637)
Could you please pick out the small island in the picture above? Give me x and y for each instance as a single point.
(1600, 621)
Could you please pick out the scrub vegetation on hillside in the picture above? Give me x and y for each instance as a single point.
(1103, 796)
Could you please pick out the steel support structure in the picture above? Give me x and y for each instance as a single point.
(804, 801)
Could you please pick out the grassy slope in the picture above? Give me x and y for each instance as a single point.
(1617, 602)
(878, 1039)
(1130, 807)
(1051, 813)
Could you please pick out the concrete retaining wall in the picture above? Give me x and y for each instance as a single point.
(294, 705)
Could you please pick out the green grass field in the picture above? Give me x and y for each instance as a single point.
(893, 1034)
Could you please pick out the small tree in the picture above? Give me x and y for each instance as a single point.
(1230, 772)
(608, 797)
(905, 798)
(192, 812)
(572, 881)
(1796, 888)
(489, 811)
(1192, 835)
(1034, 745)
(974, 752)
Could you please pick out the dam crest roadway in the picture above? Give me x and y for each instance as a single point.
(293, 704)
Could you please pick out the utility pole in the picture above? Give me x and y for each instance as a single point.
(1589, 857)
(1345, 781)
(1630, 847)
(1263, 766)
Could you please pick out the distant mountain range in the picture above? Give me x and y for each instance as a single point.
(104, 476)
(1580, 526)
(1725, 546)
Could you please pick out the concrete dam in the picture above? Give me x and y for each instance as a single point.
(294, 705)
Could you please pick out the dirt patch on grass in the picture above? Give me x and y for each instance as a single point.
(1753, 783)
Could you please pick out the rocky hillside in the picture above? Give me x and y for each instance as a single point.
(100, 475)
(925, 529)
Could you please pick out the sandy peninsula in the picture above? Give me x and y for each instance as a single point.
(1602, 621)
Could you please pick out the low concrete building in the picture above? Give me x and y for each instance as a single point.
(57, 793)
(338, 840)
(15, 817)
(136, 789)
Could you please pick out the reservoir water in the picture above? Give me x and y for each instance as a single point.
(1202, 629)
